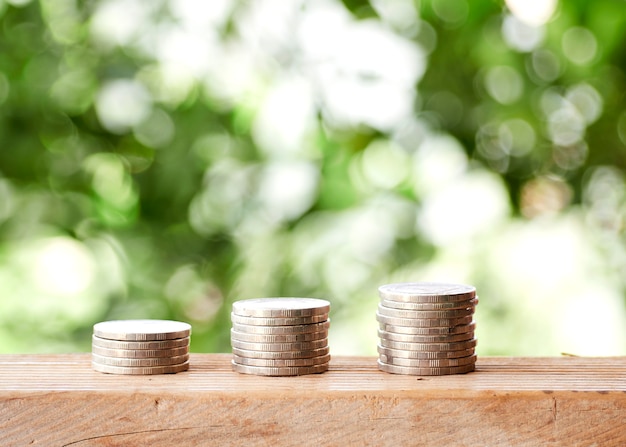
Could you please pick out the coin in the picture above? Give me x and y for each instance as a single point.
(295, 346)
(281, 307)
(277, 338)
(281, 354)
(118, 344)
(426, 328)
(141, 330)
(310, 361)
(444, 330)
(409, 338)
(140, 370)
(280, 371)
(432, 347)
(424, 314)
(426, 292)
(390, 352)
(281, 330)
(416, 371)
(139, 353)
(152, 361)
(418, 322)
(286, 321)
(408, 305)
(428, 363)
(280, 336)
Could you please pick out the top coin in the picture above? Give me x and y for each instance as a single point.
(281, 307)
(426, 292)
(141, 330)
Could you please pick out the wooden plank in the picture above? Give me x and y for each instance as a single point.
(57, 400)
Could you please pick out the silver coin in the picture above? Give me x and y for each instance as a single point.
(141, 330)
(408, 305)
(140, 370)
(281, 363)
(280, 354)
(419, 322)
(286, 321)
(139, 353)
(281, 307)
(152, 361)
(426, 292)
(282, 330)
(431, 347)
(274, 347)
(272, 338)
(409, 338)
(428, 363)
(424, 314)
(444, 330)
(399, 353)
(279, 371)
(415, 371)
(117, 344)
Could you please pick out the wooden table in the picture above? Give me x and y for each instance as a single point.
(57, 400)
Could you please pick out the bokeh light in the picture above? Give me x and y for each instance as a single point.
(163, 159)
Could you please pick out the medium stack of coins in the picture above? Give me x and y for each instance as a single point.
(140, 347)
(280, 336)
(426, 329)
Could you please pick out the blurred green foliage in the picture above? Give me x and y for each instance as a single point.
(161, 159)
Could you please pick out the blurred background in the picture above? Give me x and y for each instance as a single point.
(164, 158)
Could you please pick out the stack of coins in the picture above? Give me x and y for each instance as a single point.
(280, 336)
(140, 347)
(426, 329)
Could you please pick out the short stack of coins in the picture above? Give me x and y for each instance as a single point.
(426, 329)
(280, 336)
(140, 347)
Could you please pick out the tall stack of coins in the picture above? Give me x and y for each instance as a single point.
(280, 336)
(426, 329)
(140, 347)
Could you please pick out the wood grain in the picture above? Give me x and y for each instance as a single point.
(57, 400)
